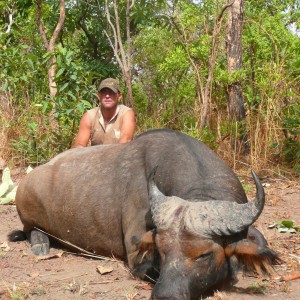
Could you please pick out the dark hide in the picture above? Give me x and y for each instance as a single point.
(97, 198)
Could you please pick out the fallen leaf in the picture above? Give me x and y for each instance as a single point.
(104, 270)
(23, 253)
(5, 246)
(50, 256)
(34, 274)
(146, 287)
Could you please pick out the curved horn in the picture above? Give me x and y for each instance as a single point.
(165, 210)
(259, 200)
(155, 195)
(223, 217)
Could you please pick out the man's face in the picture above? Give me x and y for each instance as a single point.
(108, 98)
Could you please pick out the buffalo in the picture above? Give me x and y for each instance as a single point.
(165, 203)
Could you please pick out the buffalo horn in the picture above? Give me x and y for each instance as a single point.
(163, 208)
(214, 217)
(219, 217)
(155, 194)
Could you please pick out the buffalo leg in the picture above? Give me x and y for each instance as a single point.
(142, 256)
(39, 241)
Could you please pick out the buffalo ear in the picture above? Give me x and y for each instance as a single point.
(145, 246)
(253, 256)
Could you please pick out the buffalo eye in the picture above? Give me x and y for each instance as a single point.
(134, 240)
(203, 256)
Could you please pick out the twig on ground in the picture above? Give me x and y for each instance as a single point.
(121, 264)
(92, 256)
(102, 282)
(296, 257)
(84, 252)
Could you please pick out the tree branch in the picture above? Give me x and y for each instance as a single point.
(224, 8)
(50, 46)
(114, 49)
(113, 46)
(59, 26)
(91, 38)
(40, 25)
(128, 7)
(123, 56)
(10, 17)
(132, 4)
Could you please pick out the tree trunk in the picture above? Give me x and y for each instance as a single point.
(236, 109)
(49, 46)
(51, 76)
(205, 115)
(123, 58)
(203, 90)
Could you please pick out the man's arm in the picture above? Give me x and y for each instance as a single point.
(84, 132)
(128, 127)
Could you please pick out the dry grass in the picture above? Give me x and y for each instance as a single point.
(264, 125)
(130, 293)
(4, 134)
(9, 130)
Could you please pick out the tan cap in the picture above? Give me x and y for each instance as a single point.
(109, 83)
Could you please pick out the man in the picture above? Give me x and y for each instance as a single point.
(110, 123)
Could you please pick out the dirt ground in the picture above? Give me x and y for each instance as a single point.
(63, 275)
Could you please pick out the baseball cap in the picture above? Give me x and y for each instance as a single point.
(110, 83)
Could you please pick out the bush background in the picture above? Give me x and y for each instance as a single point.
(35, 127)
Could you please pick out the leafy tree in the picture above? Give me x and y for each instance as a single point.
(50, 44)
(178, 70)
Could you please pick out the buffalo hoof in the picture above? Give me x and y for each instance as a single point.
(40, 249)
(40, 244)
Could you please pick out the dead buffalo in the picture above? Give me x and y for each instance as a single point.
(190, 217)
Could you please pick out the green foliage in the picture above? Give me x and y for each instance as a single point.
(144, 12)
(75, 86)
(205, 135)
(285, 226)
(33, 146)
(291, 145)
(19, 70)
(41, 127)
(168, 82)
(246, 187)
(257, 288)
(41, 140)
(176, 60)
(291, 121)
(291, 154)
(170, 56)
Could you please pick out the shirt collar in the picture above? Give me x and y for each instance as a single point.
(101, 119)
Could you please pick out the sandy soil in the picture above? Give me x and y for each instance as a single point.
(63, 275)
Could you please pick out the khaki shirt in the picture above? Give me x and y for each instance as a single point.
(111, 133)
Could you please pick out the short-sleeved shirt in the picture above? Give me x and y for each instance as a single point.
(109, 134)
